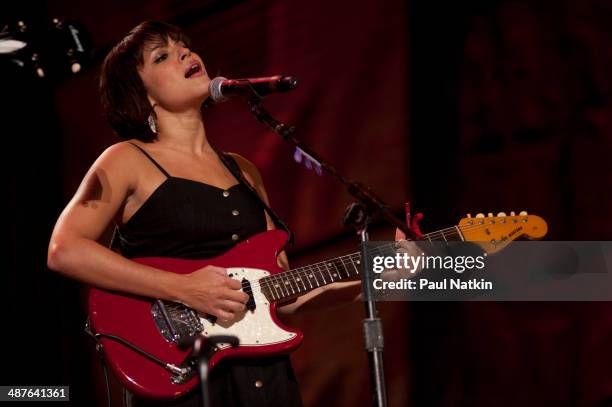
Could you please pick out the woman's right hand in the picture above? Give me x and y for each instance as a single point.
(209, 290)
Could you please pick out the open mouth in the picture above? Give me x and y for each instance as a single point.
(193, 69)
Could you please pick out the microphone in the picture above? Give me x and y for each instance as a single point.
(221, 88)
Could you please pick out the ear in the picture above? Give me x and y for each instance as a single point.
(152, 101)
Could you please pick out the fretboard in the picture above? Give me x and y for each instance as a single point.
(296, 282)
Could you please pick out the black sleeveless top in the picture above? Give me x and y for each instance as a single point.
(188, 219)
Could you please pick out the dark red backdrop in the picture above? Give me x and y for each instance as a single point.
(478, 106)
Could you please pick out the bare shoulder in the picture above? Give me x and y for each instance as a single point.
(122, 160)
(114, 170)
(119, 154)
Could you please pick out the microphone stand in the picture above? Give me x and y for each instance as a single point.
(359, 215)
(203, 348)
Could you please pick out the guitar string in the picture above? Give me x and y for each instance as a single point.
(276, 278)
(302, 271)
(425, 238)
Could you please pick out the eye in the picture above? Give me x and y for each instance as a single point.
(161, 58)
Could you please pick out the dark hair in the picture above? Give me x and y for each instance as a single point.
(123, 94)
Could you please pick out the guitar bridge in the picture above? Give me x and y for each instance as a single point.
(175, 321)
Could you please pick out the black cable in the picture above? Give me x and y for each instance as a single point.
(105, 370)
(100, 350)
(133, 347)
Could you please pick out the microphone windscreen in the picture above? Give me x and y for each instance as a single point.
(214, 88)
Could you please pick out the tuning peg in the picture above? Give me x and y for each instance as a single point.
(512, 213)
(480, 215)
(469, 215)
(501, 214)
(523, 213)
(490, 214)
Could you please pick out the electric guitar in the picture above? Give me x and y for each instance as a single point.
(140, 336)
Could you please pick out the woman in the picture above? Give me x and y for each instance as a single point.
(169, 194)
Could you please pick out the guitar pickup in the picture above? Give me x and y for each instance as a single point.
(246, 288)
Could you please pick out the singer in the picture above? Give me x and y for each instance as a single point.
(169, 194)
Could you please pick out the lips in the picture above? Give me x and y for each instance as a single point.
(193, 69)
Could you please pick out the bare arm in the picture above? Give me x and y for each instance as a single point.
(75, 252)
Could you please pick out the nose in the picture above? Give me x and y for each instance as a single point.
(185, 52)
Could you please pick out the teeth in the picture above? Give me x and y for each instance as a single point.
(193, 69)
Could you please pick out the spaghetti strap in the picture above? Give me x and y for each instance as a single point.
(234, 168)
(152, 160)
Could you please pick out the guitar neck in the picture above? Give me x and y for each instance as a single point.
(296, 282)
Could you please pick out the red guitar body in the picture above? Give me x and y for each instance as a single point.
(130, 318)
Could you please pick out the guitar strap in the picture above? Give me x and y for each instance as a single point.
(233, 167)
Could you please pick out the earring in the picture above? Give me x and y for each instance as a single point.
(152, 125)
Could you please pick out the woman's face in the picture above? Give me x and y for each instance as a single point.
(175, 78)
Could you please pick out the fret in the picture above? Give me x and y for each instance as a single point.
(331, 274)
(308, 274)
(326, 265)
(334, 270)
(265, 282)
(269, 292)
(353, 263)
(339, 264)
(299, 278)
(274, 284)
(320, 272)
(344, 268)
(296, 278)
(312, 275)
(348, 273)
(287, 282)
(281, 285)
(459, 233)
(327, 273)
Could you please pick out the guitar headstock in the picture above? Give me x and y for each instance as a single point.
(493, 233)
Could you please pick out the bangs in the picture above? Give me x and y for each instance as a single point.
(152, 34)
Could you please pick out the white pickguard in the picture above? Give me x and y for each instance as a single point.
(253, 328)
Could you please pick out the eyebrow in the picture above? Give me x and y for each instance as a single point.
(162, 45)
(155, 47)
